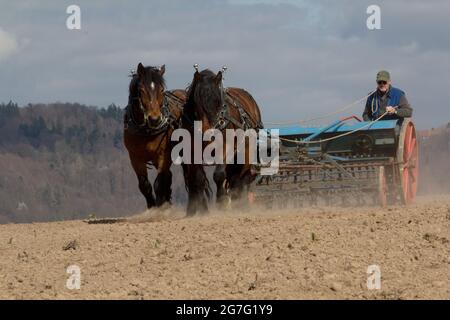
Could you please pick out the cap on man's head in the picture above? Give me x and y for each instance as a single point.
(383, 75)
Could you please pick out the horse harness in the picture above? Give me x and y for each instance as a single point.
(224, 117)
(168, 119)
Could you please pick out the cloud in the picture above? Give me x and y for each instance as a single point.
(8, 44)
(298, 58)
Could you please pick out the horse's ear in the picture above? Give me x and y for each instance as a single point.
(218, 78)
(197, 76)
(162, 69)
(140, 70)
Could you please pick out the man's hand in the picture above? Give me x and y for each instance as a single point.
(391, 110)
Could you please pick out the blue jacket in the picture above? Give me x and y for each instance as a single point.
(373, 101)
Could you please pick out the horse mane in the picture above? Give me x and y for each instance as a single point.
(204, 94)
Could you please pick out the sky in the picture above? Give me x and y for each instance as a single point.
(299, 59)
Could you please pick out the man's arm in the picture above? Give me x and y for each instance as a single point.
(404, 110)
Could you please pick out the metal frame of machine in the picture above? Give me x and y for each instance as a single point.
(346, 162)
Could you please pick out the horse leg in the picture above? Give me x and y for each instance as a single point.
(197, 187)
(140, 168)
(163, 187)
(240, 178)
(235, 181)
(248, 180)
(222, 195)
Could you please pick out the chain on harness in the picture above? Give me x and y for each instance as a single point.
(221, 122)
(375, 105)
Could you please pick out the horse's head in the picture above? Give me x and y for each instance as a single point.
(206, 93)
(150, 92)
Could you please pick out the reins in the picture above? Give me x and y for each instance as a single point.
(340, 110)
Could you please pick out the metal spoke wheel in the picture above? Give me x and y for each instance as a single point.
(408, 159)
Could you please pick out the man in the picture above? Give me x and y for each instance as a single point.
(386, 99)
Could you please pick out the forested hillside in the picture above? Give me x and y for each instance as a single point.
(64, 161)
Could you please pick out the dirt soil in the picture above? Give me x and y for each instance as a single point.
(314, 253)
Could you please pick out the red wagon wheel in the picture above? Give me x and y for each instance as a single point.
(408, 158)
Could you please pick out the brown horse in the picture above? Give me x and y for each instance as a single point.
(218, 108)
(151, 116)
